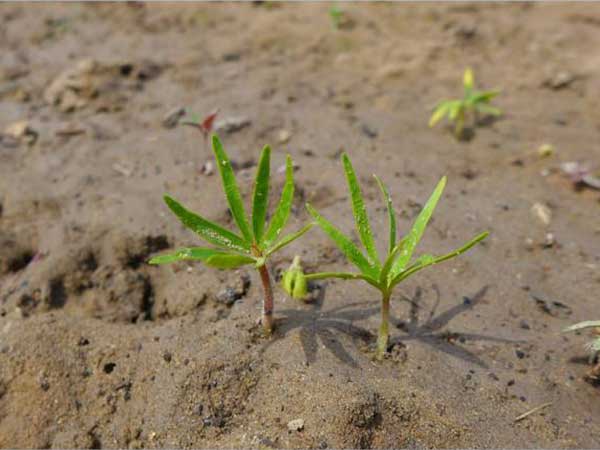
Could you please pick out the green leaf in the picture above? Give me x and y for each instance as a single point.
(483, 96)
(487, 109)
(582, 325)
(429, 260)
(391, 213)
(282, 212)
(286, 240)
(456, 106)
(209, 231)
(229, 261)
(343, 276)
(360, 212)
(439, 112)
(347, 247)
(261, 194)
(190, 253)
(417, 230)
(389, 263)
(232, 191)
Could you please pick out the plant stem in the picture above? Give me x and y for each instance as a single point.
(382, 339)
(267, 310)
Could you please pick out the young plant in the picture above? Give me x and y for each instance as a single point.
(337, 16)
(396, 266)
(593, 346)
(473, 103)
(256, 242)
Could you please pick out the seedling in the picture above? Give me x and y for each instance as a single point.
(472, 104)
(256, 242)
(384, 274)
(593, 346)
(337, 16)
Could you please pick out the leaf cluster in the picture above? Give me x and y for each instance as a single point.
(256, 239)
(397, 264)
(473, 101)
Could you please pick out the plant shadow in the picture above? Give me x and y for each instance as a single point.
(431, 332)
(316, 326)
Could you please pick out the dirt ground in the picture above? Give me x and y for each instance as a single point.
(100, 350)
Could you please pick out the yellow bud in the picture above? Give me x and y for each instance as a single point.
(468, 79)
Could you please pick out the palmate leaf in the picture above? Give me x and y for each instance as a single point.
(261, 193)
(347, 247)
(211, 257)
(282, 212)
(429, 260)
(360, 212)
(391, 213)
(231, 189)
(416, 232)
(209, 231)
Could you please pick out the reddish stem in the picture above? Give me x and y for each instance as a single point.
(267, 312)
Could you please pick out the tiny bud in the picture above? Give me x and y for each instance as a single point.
(294, 280)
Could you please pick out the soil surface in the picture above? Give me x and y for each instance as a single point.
(100, 350)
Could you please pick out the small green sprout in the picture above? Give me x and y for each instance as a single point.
(256, 242)
(337, 16)
(384, 274)
(593, 346)
(473, 103)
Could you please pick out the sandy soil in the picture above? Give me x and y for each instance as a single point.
(100, 350)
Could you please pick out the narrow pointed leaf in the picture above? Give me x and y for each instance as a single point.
(343, 276)
(439, 112)
(582, 325)
(261, 194)
(484, 96)
(186, 254)
(429, 260)
(286, 240)
(384, 276)
(347, 247)
(209, 231)
(360, 212)
(487, 109)
(229, 261)
(391, 213)
(282, 212)
(416, 232)
(232, 191)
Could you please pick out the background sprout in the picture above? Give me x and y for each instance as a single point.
(383, 274)
(593, 346)
(256, 242)
(336, 15)
(473, 103)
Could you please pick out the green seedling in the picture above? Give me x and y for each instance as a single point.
(256, 242)
(383, 274)
(337, 16)
(472, 104)
(593, 346)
